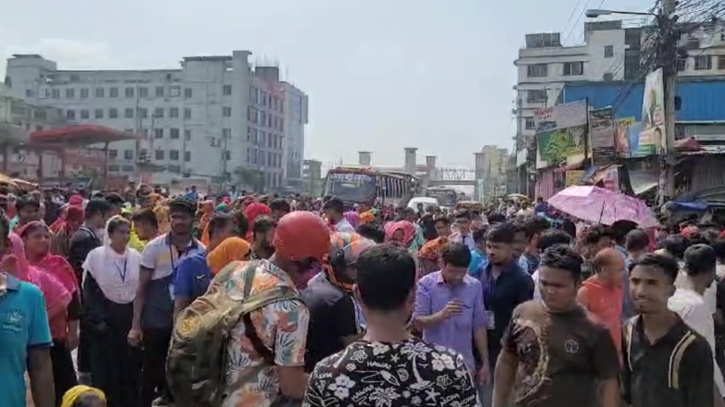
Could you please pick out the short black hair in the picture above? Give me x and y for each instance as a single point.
(4, 226)
(563, 257)
(26, 201)
(218, 222)
(462, 214)
(551, 237)
(456, 254)
(636, 240)
(385, 277)
(115, 223)
(97, 207)
(146, 216)
(262, 225)
(719, 246)
(479, 235)
(242, 223)
(444, 219)
(371, 231)
(495, 217)
(88, 399)
(502, 233)
(334, 204)
(675, 245)
(533, 225)
(280, 204)
(114, 199)
(664, 262)
(597, 233)
(700, 259)
(183, 205)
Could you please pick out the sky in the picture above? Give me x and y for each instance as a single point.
(381, 75)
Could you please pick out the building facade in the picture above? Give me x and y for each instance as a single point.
(208, 119)
(296, 117)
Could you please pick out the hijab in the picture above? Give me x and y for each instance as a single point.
(56, 295)
(254, 211)
(231, 249)
(407, 227)
(54, 264)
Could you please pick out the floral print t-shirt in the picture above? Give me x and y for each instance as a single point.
(282, 328)
(407, 373)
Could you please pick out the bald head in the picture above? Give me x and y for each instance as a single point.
(608, 259)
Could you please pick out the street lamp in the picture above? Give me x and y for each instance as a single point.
(594, 13)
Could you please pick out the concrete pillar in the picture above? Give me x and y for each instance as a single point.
(410, 160)
(430, 170)
(480, 176)
(364, 158)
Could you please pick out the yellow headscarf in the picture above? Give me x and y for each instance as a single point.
(72, 395)
(163, 217)
(231, 249)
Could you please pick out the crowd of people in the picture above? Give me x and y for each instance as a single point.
(246, 300)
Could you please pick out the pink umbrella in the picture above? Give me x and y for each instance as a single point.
(599, 205)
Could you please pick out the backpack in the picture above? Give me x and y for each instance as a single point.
(197, 358)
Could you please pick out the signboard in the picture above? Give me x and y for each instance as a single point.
(652, 136)
(560, 134)
(601, 134)
(627, 140)
(573, 177)
(351, 177)
(85, 157)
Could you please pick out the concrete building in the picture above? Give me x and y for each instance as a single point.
(296, 117)
(312, 177)
(205, 120)
(491, 168)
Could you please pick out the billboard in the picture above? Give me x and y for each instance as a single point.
(561, 133)
(652, 135)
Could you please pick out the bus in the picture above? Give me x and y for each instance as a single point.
(365, 184)
(447, 197)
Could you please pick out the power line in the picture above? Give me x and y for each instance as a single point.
(577, 21)
(573, 11)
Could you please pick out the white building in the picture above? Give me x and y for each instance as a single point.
(211, 118)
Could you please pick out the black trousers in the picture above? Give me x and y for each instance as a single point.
(64, 373)
(153, 365)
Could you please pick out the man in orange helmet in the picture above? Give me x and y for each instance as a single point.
(267, 360)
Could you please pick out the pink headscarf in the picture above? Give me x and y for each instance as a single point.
(408, 229)
(54, 264)
(56, 295)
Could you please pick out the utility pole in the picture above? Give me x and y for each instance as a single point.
(668, 54)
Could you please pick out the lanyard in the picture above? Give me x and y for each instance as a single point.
(179, 255)
(122, 272)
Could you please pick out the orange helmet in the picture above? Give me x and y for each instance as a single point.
(302, 235)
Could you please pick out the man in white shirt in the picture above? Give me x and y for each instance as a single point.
(688, 301)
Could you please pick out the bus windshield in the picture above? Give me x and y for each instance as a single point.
(351, 187)
(446, 197)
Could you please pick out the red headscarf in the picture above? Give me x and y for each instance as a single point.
(252, 212)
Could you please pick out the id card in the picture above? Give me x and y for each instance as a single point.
(171, 292)
(490, 320)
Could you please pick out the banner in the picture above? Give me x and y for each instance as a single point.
(652, 136)
(573, 177)
(601, 134)
(627, 140)
(560, 134)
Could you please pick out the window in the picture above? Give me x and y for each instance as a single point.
(113, 113)
(681, 64)
(187, 135)
(158, 133)
(174, 91)
(227, 111)
(70, 114)
(113, 168)
(227, 133)
(226, 155)
(174, 155)
(159, 112)
(127, 168)
(159, 154)
(573, 68)
(721, 62)
(98, 114)
(99, 92)
(55, 93)
(187, 156)
(70, 93)
(128, 113)
(175, 169)
(85, 114)
(112, 154)
(174, 133)
(174, 112)
(128, 154)
(113, 92)
(143, 112)
(159, 91)
(537, 70)
(227, 90)
(187, 113)
(129, 92)
(608, 51)
(536, 96)
(143, 92)
(187, 93)
(530, 124)
(84, 93)
(703, 62)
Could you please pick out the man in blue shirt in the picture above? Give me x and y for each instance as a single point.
(479, 260)
(26, 343)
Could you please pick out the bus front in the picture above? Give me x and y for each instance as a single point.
(447, 197)
(351, 186)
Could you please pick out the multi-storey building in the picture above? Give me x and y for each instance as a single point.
(211, 117)
(296, 112)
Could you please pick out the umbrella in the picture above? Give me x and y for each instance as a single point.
(599, 205)
(4, 179)
(517, 196)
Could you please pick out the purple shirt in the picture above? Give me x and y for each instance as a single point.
(457, 331)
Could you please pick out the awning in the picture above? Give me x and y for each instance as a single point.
(643, 181)
(80, 135)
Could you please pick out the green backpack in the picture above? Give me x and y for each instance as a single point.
(197, 361)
